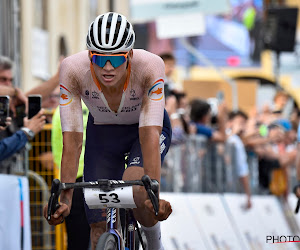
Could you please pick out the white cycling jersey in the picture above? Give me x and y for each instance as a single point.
(142, 100)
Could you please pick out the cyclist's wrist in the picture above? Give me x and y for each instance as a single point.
(66, 197)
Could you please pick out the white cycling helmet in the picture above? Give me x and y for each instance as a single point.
(110, 33)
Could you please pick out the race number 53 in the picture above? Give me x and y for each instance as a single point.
(107, 198)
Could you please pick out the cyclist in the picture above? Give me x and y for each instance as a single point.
(123, 89)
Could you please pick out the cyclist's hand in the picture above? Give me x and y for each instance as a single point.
(59, 215)
(165, 209)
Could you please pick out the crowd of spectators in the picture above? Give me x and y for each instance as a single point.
(269, 134)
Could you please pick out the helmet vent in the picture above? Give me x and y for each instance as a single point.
(108, 27)
(130, 41)
(99, 30)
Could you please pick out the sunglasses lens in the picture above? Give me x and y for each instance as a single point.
(115, 61)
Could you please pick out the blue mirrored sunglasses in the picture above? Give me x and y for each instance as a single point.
(116, 60)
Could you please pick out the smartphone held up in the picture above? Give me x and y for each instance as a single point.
(4, 109)
(34, 105)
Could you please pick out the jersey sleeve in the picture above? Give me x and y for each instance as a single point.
(152, 111)
(70, 101)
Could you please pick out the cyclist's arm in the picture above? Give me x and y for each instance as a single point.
(151, 118)
(149, 139)
(72, 143)
(71, 124)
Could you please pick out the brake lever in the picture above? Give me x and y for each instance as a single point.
(298, 202)
(297, 207)
(152, 191)
(53, 204)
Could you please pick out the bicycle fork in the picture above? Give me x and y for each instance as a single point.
(113, 225)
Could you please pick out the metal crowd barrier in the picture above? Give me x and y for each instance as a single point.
(198, 165)
(36, 162)
(41, 173)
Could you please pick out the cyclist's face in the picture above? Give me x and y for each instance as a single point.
(110, 76)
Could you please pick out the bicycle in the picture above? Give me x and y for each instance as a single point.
(116, 237)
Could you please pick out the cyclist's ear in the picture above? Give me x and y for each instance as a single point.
(89, 55)
(130, 54)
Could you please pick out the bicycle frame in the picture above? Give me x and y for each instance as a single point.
(130, 225)
(113, 225)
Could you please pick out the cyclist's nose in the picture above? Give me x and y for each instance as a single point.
(108, 66)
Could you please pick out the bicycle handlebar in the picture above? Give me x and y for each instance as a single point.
(106, 185)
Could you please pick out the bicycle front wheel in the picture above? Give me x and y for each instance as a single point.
(107, 241)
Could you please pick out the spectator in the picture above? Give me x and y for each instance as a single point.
(174, 98)
(297, 163)
(176, 106)
(280, 100)
(6, 79)
(78, 229)
(274, 160)
(50, 103)
(170, 62)
(18, 98)
(236, 126)
(18, 140)
(202, 117)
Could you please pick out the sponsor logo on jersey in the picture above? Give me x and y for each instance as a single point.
(162, 147)
(133, 94)
(95, 95)
(135, 161)
(156, 92)
(161, 138)
(103, 109)
(65, 96)
(131, 109)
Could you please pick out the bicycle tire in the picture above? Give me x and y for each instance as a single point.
(107, 241)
